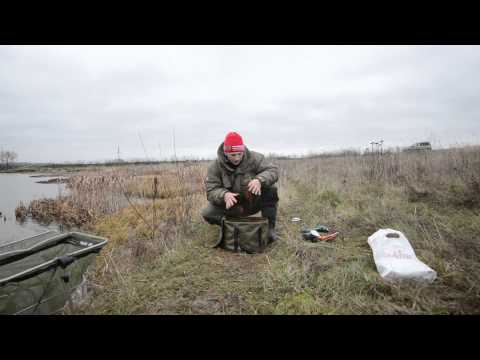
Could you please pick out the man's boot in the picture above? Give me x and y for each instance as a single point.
(271, 214)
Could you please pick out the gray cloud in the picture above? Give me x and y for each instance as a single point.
(68, 103)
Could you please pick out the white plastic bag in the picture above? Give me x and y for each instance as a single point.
(395, 258)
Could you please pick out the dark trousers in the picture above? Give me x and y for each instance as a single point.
(266, 203)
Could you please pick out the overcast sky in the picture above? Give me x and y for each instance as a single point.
(70, 103)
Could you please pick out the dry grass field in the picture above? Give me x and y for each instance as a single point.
(159, 260)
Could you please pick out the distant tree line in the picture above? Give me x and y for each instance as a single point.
(337, 153)
(7, 158)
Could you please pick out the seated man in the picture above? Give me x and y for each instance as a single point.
(241, 182)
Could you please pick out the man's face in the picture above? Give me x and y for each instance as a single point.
(234, 158)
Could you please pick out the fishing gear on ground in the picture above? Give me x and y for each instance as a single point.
(319, 233)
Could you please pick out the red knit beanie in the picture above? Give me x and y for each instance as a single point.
(233, 143)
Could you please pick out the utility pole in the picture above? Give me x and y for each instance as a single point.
(378, 146)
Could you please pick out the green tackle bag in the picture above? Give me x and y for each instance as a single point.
(39, 274)
(249, 234)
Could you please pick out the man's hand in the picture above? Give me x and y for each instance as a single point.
(254, 187)
(230, 199)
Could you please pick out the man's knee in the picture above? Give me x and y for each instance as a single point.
(269, 196)
(212, 214)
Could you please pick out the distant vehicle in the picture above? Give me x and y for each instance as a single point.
(419, 146)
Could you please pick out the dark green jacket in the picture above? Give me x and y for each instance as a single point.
(222, 176)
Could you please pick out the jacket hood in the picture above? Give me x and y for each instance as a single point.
(223, 161)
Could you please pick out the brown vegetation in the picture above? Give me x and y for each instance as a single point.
(60, 210)
(157, 260)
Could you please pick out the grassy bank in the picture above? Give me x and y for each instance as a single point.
(66, 168)
(159, 259)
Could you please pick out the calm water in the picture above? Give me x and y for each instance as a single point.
(21, 187)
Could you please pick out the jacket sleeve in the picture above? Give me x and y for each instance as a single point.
(267, 172)
(214, 186)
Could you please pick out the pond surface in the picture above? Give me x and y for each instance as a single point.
(16, 188)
